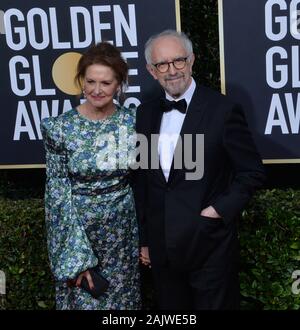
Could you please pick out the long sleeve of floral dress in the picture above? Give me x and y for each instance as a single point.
(69, 249)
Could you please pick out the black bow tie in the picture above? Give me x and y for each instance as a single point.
(180, 105)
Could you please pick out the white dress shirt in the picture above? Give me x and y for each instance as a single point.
(170, 128)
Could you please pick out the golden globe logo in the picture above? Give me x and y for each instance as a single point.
(64, 71)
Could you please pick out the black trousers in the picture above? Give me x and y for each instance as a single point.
(204, 289)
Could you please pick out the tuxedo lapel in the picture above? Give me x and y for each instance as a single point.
(194, 114)
(190, 125)
(153, 148)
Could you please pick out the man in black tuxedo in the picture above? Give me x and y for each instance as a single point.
(188, 216)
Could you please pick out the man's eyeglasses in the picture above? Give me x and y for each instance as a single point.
(179, 63)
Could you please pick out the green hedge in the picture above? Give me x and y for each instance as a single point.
(23, 255)
(270, 252)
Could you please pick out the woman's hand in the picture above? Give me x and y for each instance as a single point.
(88, 276)
(144, 256)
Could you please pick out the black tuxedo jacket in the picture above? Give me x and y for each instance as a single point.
(169, 212)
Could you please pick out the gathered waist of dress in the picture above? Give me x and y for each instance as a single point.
(95, 191)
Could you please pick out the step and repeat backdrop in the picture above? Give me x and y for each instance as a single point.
(260, 56)
(40, 44)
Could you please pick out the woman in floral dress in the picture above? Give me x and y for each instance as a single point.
(90, 211)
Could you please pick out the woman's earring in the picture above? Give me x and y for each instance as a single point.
(83, 92)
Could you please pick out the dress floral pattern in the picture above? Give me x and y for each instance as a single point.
(89, 205)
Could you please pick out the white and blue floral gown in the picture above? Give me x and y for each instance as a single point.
(89, 205)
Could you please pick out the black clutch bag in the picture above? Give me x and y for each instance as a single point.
(101, 284)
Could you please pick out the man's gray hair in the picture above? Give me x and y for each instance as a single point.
(186, 42)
